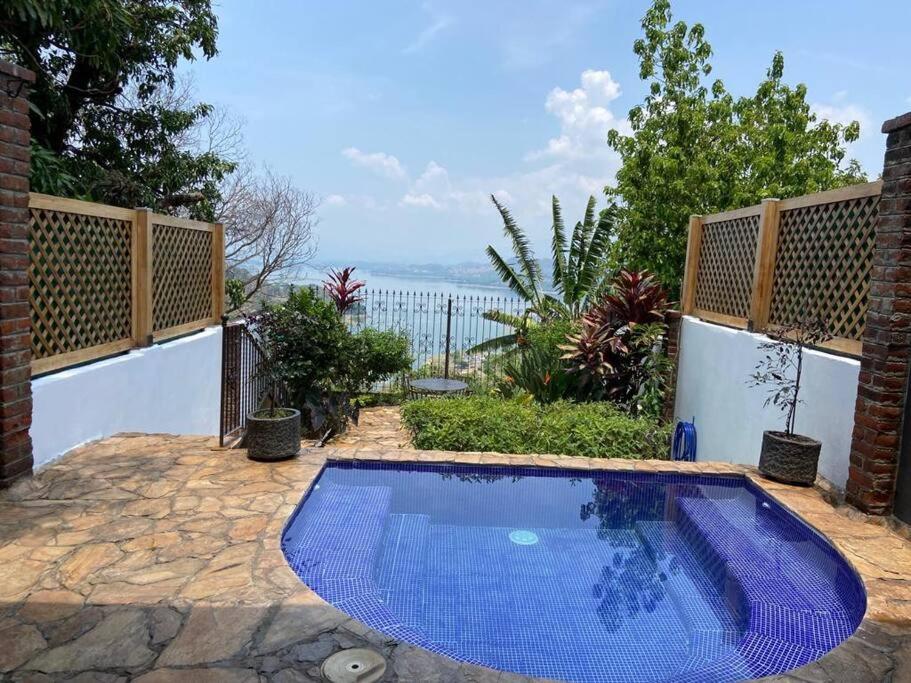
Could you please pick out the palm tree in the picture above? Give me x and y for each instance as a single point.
(579, 268)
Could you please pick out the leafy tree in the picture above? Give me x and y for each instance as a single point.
(101, 67)
(697, 149)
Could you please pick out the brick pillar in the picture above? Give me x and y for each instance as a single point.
(15, 322)
(673, 321)
(887, 336)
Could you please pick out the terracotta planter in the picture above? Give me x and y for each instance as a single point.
(273, 438)
(789, 458)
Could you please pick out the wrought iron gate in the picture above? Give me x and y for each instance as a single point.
(243, 385)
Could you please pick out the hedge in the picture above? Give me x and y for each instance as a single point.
(480, 423)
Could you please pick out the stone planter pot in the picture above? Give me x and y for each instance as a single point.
(273, 438)
(789, 458)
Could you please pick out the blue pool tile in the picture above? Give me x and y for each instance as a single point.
(619, 576)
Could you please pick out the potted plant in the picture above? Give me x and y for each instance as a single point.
(273, 431)
(786, 456)
(321, 362)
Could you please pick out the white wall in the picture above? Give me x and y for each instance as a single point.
(172, 388)
(714, 365)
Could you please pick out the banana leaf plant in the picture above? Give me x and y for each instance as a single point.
(579, 267)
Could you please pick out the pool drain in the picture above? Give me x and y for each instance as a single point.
(357, 665)
(523, 537)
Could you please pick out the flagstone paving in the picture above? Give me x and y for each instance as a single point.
(156, 558)
(377, 428)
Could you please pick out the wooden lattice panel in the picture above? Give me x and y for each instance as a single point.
(725, 276)
(79, 281)
(823, 265)
(181, 276)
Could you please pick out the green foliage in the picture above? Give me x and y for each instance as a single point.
(578, 264)
(235, 292)
(578, 272)
(696, 149)
(49, 174)
(515, 426)
(549, 336)
(372, 356)
(102, 100)
(321, 363)
(537, 368)
(539, 374)
(306, 341)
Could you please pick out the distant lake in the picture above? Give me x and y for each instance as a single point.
(399, 283)
(418, 307)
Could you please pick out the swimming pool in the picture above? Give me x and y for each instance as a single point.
(592, 576)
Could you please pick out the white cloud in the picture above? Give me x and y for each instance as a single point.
(421, 200)
(438, 24)
(844, 113)
(584, 117)
(574, 165)
(335, 200)
(379, 162)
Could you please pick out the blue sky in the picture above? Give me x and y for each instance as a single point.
(405, 116)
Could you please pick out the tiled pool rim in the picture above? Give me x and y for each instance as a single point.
(375, 610)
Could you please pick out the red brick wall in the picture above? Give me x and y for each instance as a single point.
(887, 337)
(15, 322)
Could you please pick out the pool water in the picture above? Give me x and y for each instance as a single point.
(610, 576)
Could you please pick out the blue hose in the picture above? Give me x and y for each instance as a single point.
(684, 447)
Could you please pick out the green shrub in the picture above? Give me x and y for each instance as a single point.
(549, 336)
(480, 423)
(373, 356)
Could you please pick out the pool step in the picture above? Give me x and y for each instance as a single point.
(333, 546)
(712, 628)
(401, 566)
(756, 563)
(686, 581)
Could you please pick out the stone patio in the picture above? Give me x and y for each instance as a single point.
(378, 428)
(157, 558)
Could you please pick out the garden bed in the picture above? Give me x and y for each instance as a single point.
(478, 423)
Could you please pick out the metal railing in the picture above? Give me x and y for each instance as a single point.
(442, 330)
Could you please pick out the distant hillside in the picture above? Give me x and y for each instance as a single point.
(469, 273)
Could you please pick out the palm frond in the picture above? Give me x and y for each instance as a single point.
(506, 341)
(558, 247)
(521, 248)
(516, 321)
(593, 265)
(509, 276)
(551, 307)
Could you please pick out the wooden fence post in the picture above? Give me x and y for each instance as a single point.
(693, 247)
(218, 272)
(764, 268)
(142, 277)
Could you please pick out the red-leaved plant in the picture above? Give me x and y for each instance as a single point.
(615, 352)
(341, 288)
(634, 298)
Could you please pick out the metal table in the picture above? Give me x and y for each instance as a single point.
(436, 386)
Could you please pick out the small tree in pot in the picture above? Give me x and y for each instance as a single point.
(273, 432)
(788, 457)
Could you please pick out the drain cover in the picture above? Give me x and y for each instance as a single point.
(523, 537)
(358, 665)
